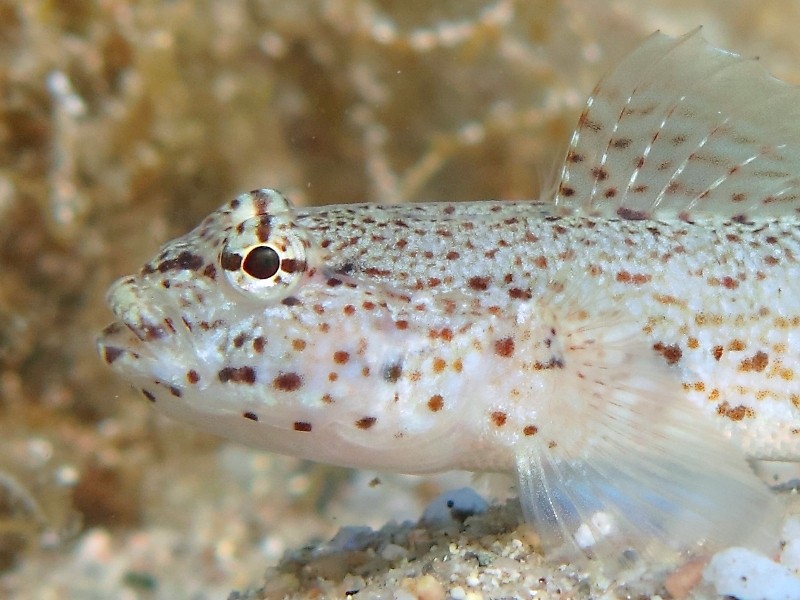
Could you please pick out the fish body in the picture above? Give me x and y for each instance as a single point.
(624, 349)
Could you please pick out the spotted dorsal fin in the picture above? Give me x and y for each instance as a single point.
(680, 129)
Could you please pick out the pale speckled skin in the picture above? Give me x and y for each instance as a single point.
(723, 316)
(651, 307)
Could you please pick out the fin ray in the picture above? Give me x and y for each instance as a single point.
(680, 129)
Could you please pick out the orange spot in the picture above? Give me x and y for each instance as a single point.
(672, 353)
(504, 347)
(736, 413)
(435, 403)
(757, 362)
(438, 365)
(499, 418)
(736, 345)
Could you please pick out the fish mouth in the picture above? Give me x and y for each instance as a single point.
(118, 341)
(130, 338)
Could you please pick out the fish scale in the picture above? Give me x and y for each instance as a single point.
(625, 349)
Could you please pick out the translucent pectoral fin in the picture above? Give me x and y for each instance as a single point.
(625, 467)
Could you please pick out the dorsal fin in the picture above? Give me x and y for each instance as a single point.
(680, 129)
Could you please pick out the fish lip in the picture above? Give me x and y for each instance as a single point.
(137, 324)
(118, 344)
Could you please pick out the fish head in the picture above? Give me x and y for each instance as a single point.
(209, 301)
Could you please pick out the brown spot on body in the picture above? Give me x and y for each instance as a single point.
(287, 382)
(445, 334)
(479, 284)
(757, 362)
(435, 403)
(259, 343)
(452, 255)
(633, 278)
(499, 418)
(716, 352)
(439, 365)
(340, 357)
(366, 422)
(671, 353)
(184, 261)
(192, 376)
(520, 294)
(250, 415)
(392, 372)
(553, 363)
(735, 413)
(210, 271)
(298, 345)
(237, 375)
(149, 395)
(530, 430)
(302, 426)
(504, 347)
(263, 229)
(736, 345)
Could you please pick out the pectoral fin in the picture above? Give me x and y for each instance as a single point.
(624, 466)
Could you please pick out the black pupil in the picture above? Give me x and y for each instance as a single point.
(261, 262)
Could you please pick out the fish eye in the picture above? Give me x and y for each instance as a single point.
(265, 256)
(261, 262)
